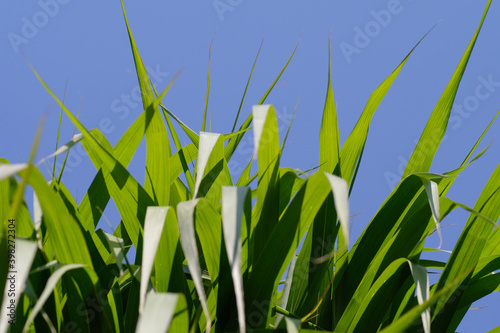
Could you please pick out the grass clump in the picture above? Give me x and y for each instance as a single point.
(210, 253)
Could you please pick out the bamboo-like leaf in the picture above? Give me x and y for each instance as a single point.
(329, 142)
(233, 205)
(246, 87)
(9, 170)
(189, 132)
(285, 239)
(158, 312)
(69, 242)
(352, 149)
(467, 251)
(409, 317)
(286, 289)
(157, 142)
(153, 227)
(235, 141)
(292, 325)
(341, 201)
(431, 188)
(423, 154)
(116, 246)
(265, 215)
(74, 140)
(208, 87)
(421, 280)
(185, 212)
(49, 287)
(211, 170)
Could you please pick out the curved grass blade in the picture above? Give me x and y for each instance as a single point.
(208, 143)
(157, 143)
(153, 228)
(406, 320)
(265, 214)
(286, 289)
(234, 142)
(246, 87)
(423, 154)
(233, 205)
(350, 154)
(159, 311)
(467, 251)
(421, 280)
(49, 287)
(185, 214)
(9, 170)
(329, 142)
(189, 132)
(74, 140)
(208, 88)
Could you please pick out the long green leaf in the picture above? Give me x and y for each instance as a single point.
(352, 148)
(329, 142)
(185, 212)
(49, 287)
(233, 205)
(153, 227)
(423, 154)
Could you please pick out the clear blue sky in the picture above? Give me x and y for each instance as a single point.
(87, 44)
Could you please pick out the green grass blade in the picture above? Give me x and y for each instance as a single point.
(158, 312)
(329, 142)
(421, 280)
(431, 188)
(468, 249)
(59, 130)
(286, 289)
(246, 87)
(153, 228)
(131, 211)
(284, 240)
(233, 205)
(352, 148)
(409, 317)
(361, 313)
(49, 287)
(9, 170)
(70, 245)
(234, 142)
(74, 140)
(168, 273)
(341, 201)
(189, 132)
(157, 142)
(423, 154)
(208, 88)
(265, 214)
(208, 142)
(185, 214)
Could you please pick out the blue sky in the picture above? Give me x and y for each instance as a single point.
(87, 44)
